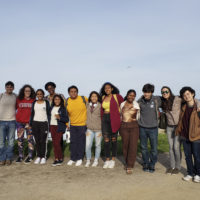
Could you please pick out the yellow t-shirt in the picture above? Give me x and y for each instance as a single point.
(77, 111)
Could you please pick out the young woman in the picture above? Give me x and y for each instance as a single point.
(171, 105)
(93, 127)
(39, 122)
(24, 104)
(129, 129)
(110, 112)
(189, 130)
(58, 121)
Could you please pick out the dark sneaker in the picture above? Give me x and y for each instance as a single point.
(145, 168)
(169, 171)
(55, 163)
(19, 160)
(151, 169)
(28, 160)
(8, 162)
(60, 162)
(2, 163)
(175, 171)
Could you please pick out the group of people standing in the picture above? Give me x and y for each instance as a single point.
(101, 117)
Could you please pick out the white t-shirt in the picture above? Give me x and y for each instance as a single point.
(40, 112)
(53, 113)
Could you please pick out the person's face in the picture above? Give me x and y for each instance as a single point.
(40, 95)
(51, 89)
(9, 89)
(147, 95)
(57, 101)
(27, 92)
(165, 93)
(73, 93)
(94, 98)
(188, 96)
(131, 97)
(108, 89)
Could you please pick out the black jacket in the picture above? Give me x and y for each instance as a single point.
(63, 119)
(47, 111)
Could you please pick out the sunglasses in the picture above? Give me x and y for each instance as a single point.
(165, 92)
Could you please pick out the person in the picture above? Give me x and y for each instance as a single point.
(7, 124)
(77, 112)
(24, 104)
(50, 87)
(148, 126)
(39, 123)
(189, 130)
(129, 129)
(93, 128)
(171, 106)
(58, 121)
(110, 113)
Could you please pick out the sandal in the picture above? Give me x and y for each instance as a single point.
(129, 171)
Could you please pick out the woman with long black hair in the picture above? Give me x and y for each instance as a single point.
(110, 112)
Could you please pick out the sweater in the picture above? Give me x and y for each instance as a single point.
(115, 117)
(24, 110)
(94, 117)
(7, 107)
(149, 112)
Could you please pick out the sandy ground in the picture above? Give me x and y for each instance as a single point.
(31, 182)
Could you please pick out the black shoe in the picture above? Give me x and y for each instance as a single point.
(151, 169)
(60, 162)
(56, 163)
(19, 160)
(28, 160)
(169, 171)
(145, 168)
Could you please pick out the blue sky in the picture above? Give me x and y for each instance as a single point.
(86, 43)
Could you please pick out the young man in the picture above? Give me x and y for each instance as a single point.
(148, 125)
(7, 124)
(76, 108)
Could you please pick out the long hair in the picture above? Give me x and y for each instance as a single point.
(21, 92)
(130, 91)
(61, 100)
(167, 103)
(102, 90)
(98, 96)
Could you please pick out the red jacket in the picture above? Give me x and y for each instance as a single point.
(114, 112)
(24, 110)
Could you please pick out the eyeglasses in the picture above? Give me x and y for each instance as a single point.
(165, 92)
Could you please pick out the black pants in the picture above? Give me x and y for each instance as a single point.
(110, 138)
(77, 142)
(40, 133)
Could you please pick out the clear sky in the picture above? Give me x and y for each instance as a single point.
(82, 42)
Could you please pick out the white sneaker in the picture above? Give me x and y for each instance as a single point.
(78, 163)
(70, 162)
(197, 179)
(37, 160)
(87, 163)
(43, 161)
(95, 163)
(106, 164)
(187, 178)
(111, 164)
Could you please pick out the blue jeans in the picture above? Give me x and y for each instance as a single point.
(7, 137)
(149, 158)
(90, 135)
(192, 149)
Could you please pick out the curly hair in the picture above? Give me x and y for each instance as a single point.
(114, 91)
(49, 84)
(184, 89)
(21, 92)
(130, 91)
(98, 96)
(167, 103)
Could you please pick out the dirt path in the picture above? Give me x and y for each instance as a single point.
(22, 182)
